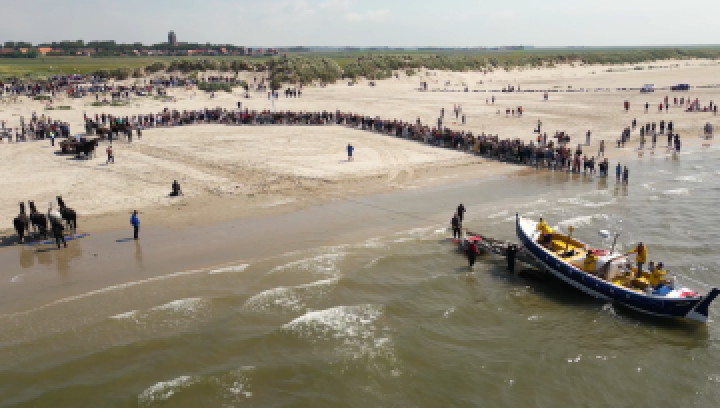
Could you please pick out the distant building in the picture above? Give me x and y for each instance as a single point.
(172, 38)
(86, 51)
(44, 50)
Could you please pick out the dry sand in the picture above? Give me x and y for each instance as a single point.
(228, 172)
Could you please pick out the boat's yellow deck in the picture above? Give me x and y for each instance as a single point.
(574, 252)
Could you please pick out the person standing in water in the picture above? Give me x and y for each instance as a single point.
(510, 254)
(135, 222)
(57, 230)
(455, 224)
(461, 213)
(471, 251)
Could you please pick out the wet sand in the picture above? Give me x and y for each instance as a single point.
(34, 276)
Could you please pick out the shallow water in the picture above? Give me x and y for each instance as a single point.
(397, 320)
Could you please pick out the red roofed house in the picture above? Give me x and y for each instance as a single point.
(44, 50)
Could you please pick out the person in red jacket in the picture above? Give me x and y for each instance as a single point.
(471, 251)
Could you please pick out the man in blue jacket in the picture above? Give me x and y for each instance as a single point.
(135, 221)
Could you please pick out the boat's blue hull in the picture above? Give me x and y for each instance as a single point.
(692, 308)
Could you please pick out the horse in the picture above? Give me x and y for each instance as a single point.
(21, 223)
(68, 214)
(38, 220)
(87, 148)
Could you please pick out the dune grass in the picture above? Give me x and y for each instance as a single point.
(329, 67)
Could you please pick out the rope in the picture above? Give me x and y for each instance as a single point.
(391, 211)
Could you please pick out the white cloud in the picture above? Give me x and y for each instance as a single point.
(372, 15)
(336, 5)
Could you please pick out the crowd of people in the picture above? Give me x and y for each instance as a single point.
(652, 130)
(544, 154)
(37, 128)
(686, 103)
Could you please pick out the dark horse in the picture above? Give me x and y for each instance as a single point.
(38, 220)
(68, 214)
(21, 223)
(87, 148)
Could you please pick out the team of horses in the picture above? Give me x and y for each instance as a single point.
(40, 222)
(85, 148)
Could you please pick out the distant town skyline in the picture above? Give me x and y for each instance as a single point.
(401, 23)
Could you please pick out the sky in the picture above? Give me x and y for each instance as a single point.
(394, 23)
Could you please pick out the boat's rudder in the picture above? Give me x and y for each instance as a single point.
(701, 312)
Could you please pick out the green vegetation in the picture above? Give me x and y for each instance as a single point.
(42, 97)
(113, 103)
(302, 70)
(61, 107)
(307, 67)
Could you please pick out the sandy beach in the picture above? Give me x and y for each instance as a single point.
(228, 172)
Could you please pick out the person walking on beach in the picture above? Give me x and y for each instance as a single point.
(601, 152)
(587, 138)
(461, 212)
(626, 174)
(135, 222)
(110, 156)
(618, 172)
(350, 149)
